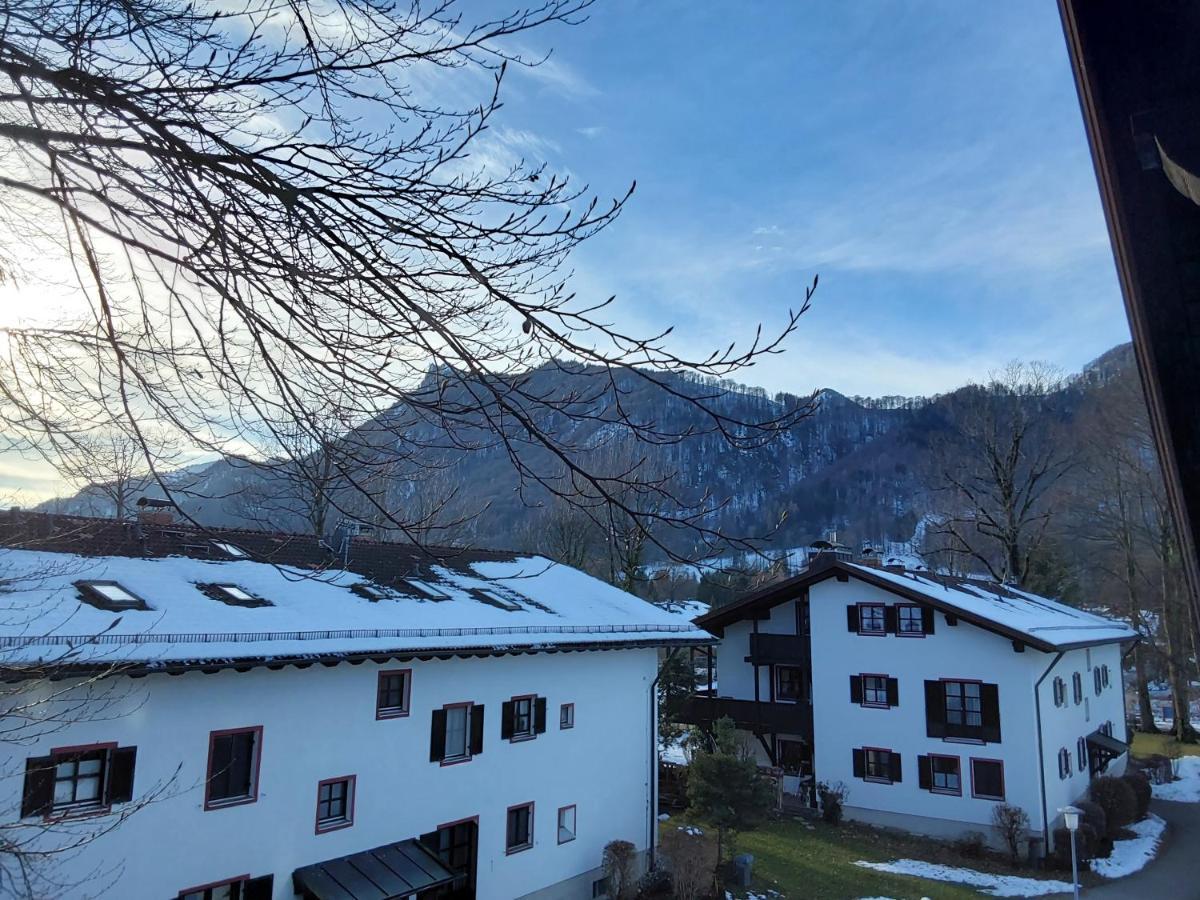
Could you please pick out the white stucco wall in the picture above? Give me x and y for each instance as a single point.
(320, 723)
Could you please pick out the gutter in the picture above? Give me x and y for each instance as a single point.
(1037, 706)
(652, 799)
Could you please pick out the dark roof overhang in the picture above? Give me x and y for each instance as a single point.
(390, 872)
(1105, 746)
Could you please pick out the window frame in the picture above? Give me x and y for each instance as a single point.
(900, 610)
(518, 848)
(887, 765)
(90, 593)
(777, 684)
(574, 823)
(224, 882)
(75, 809)
(252, 796)
(933, 786)
(964, 711)
(874, 704)
(393, 712)
(566, 716)
(323, 826)
(882, 607)
(1003, 787)
(467, 756)
(529, 735)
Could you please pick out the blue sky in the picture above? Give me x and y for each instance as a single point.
(928, 160)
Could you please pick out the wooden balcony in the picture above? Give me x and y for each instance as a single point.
(761, 717)
(780, 649)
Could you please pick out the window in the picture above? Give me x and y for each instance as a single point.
(454, 844)
(566, 715)
(964, 705)
(987, 779)
(1104, 669)
(872, 618)
(520, 828)
(789, 683)
(236, 889)
(232, 595)
(1077, 687)
(566, 824)
(494, 597)
(335, 803)
(392, 693)
(523, 718)
(78, 780)
(874, 764)
(372, 591)
(945, 777)
(426, 589)
(1064, 763)
(231, 550)
(456, 733)
(875, 691)
(802, 618)
(1081, 754)
(794, 757)
(599, 888)
(109, 595)
(233, 758)
(1060, 691)
(910, 621)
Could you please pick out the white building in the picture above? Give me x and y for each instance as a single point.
(931, 698)
(273, 724)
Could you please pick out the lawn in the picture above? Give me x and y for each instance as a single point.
(1148, 744)
(818, 862)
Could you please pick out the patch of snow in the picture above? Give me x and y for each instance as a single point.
(1187, 788)
(664, 817)
(693, 830)
(675, 753)
(1128, 856)
(988, 883)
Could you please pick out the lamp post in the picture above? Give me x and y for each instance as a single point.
(1070, 816)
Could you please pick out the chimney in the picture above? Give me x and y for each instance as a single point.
(869, 556)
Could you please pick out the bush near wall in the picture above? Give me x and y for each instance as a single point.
(1141, 792)
(1117, 799)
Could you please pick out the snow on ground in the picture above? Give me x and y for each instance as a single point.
(992, 885)
(674, 752)
(1187, 788)
(1130, 855)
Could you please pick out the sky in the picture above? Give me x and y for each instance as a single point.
(927, 160)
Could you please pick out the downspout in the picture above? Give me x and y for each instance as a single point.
(1037, 707)
(653, 797)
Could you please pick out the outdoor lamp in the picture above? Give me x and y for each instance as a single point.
(1070, 817)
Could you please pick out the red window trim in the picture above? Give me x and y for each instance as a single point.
(558, 818)
(523, 847)
(253, 798)
(532, 698)
(458, 760)
(933, 788)
(882, 633)
(561, 726)
(875, 779)
(389, 713)
(1003, 786)
(351, 796)
(214, 884)
(775, 698)
(864, 703)
(910, 634)
(81, 812)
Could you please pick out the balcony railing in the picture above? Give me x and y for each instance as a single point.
(785, 649)
(750, 715)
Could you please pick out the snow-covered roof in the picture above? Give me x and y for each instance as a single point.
(1041, 619)
(483, 602)
(1038, 621)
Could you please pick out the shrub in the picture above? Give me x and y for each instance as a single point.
(618, 868)
(1012, 822)
(1117, 800)
(655, 883)
(1086, 841)
(1141, 792)
(1093, 814)
(692, 856)
(833, 801)
(972, 845)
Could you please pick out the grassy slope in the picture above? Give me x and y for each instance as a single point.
(1147, 744)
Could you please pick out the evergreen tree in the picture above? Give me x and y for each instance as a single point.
(725, 787)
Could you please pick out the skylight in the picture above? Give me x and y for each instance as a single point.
(234, 595)
(497, 599)
(372, 591)
(109, 595)
(230, 550)
(429, 590)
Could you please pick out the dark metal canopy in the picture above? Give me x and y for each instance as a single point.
(1104, 747)
(390, 872)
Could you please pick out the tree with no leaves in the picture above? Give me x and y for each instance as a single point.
(266, 205)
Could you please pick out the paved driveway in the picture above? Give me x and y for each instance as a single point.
(1175, 872)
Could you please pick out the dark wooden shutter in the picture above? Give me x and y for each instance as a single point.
(927, 620)
(895, 766)
(924, 773)
(476, 730)
(935, 709)
(852, 618)
(539, 715)
(951, 619)
(120, 774)
(856, 689)
(506, 720)
(989, 701)
(891, 619)
(893, 692)
(258, 888)
(38, 795)
(437, 736)
(860, 764)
